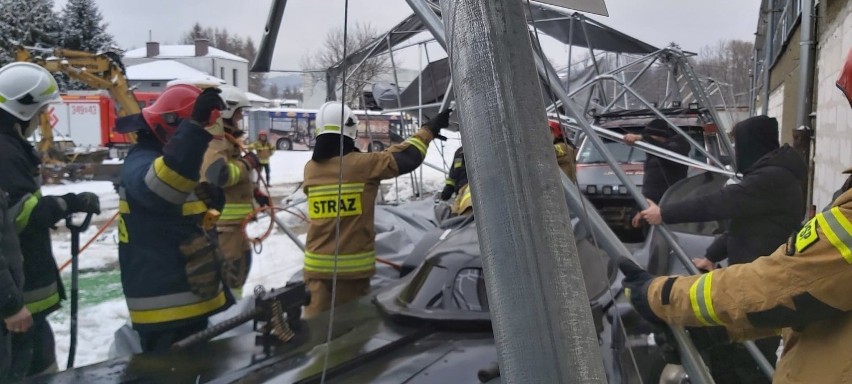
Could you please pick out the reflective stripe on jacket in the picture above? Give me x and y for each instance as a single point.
(21, 180)
(158, 213)
(362, 173)
(802, 288)
(264, 150)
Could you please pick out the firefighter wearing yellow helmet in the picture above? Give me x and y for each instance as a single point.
(800, 290)
(347, 188)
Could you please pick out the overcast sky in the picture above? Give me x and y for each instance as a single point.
(691, 23)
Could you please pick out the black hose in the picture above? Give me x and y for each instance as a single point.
(488, 373)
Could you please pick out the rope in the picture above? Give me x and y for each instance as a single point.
(329, 334)
(92, 240)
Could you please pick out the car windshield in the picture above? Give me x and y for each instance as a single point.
(622, 153)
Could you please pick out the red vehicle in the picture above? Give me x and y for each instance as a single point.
(88, 118)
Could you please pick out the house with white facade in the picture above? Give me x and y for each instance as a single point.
(211, 61)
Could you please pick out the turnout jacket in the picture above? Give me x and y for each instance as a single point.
(457, 177)
(33, 217)
(362, 173)
(765, 208)
(263, 149)
(566, 157)
(225, 168)
(801, 289)
(159, 213)
(11, 263)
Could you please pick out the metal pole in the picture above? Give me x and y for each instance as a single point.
(533, 276)
(570, 53)
(546, 71)
(806, 84)
(420, 101)
(632, 81)
(767, 47)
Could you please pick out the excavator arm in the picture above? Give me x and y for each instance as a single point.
(100, 71)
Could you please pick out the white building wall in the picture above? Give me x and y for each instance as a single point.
(833, 151)
(776, 107)
(221, 68)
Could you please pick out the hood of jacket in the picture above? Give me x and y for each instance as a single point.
(785, 157)
(754, 138)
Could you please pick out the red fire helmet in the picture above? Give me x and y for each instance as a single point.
(845, 80)
(173, 106)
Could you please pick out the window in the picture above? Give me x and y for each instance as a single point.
(155, 83)
(222, 73)
(234, 74)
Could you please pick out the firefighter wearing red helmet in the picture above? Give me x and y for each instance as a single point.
(264, 150)
(800, 290)
(566, 155)
(170, 266)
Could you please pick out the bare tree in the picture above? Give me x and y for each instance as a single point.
(728, 61)
(331, 53)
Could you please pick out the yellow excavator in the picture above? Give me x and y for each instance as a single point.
(96, 70)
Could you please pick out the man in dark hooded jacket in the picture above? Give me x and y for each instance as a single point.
(765, 208)
(660, 174)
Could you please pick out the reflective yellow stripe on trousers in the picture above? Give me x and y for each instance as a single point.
(178, 306)
(40, 299)
(355, 262)
(838, 230)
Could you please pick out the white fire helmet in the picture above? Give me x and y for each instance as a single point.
(234, 98)
(329, 118)
(25, 88)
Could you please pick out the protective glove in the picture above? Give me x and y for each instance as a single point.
(441, 121)
(206, 103)
(251, 160)
(636, 282)
(261, 199)
(82, 202)
(212, 196)
(203, 265)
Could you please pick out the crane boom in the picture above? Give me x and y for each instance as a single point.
(97, 70)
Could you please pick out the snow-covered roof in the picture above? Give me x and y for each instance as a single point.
(166, 70)
(255, 98)
(181, 51)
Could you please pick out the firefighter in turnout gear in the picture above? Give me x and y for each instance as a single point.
(25, 91)
(226, 168)
(566, 154)
(457, 177)
(264, 150)
(353, 200)
(170, 266)
(801, 290)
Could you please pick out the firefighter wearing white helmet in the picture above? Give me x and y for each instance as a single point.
(226, 169)
(25, 91)
(353, 201)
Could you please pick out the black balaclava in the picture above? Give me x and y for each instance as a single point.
(14, 127)
(328, 146)
(754, 138)
(658, 127)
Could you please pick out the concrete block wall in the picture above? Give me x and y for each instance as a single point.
(833, 151)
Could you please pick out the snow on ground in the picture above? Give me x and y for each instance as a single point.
(102, 307)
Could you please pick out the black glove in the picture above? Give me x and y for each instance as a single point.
(82, 202)
(438, 122)
(637, 281)
(207, 102)
(261, 199)
(211, 195)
